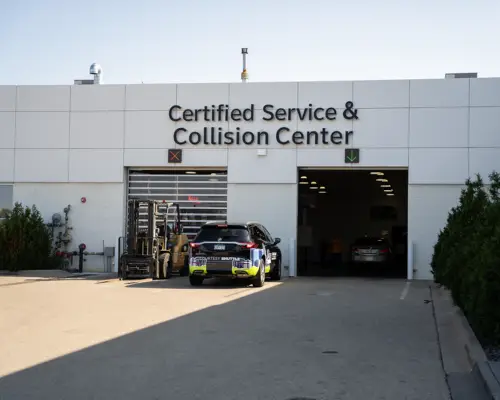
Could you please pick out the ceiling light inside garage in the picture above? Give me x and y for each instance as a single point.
(313, 187)
(390, 194)
(385, 186)
(377, 173)
(322, 188)
(303, 177)
(322, 191)
(313, 183)
(303, 183)
(388, 190)
(382, 180)
(191, 172)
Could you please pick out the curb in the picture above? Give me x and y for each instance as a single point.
(478, 362)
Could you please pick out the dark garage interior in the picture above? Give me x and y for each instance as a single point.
(352, 223)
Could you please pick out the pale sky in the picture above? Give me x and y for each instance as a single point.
(151, 41)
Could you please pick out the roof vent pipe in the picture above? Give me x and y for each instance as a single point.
(96, 70)
(244, 73)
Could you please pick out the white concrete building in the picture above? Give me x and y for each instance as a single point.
(79, 145)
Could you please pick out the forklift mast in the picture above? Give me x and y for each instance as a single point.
(142, 239)
(177, 228)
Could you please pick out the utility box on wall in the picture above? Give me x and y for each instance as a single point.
(109, 252)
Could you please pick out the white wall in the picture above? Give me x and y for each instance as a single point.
(443, 130)
(428, 207)
(274, 205)
(99, 218)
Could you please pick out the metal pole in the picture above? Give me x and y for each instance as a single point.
(244, 74)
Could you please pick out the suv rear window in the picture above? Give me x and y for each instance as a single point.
(367, 241)
(225, 233)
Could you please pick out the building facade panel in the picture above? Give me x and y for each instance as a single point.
(205, 158)
(439, 93)
(96, 165)
(199, 95)
(438, 166)
(381, 128)
(260, 94)
(485, 92)
(97, 130)
(324, 94)
(308, 157)
(145, 157)
(42, 165)
(439, 127)
(98, 98)
(148, 130)
(383, 157)
(42, 130)
(140, 97)
(95, 223)
(8, 95)
(484, 161)
(484, 127)
(382, 94)
(428, 208)
(7, 165)
(7, 129)
(43, 98)
(275, 166)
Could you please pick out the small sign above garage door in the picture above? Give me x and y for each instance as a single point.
(174, 156)
(351, 156)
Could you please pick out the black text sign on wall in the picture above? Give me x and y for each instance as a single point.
(174, 156)
(351, 156)
(240, 135)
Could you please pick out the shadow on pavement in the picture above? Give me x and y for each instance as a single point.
(310, 339)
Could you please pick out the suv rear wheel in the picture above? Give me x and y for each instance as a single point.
(260, 279)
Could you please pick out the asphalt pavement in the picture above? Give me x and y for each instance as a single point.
(305, 338)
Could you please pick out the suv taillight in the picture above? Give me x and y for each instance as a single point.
(249, 245)
(194, 245)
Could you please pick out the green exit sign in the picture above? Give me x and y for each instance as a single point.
(351, 156)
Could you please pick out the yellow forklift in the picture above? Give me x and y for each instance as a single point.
(155, 245)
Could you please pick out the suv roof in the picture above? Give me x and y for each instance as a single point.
(242, 224)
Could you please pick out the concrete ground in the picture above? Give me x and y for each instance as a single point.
(305, 338)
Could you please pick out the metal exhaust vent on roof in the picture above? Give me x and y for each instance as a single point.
(456, 75)
(96, 70)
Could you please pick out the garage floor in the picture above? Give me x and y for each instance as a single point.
(314, 338)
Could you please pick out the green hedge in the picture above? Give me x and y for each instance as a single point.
(25, 240)
(466, 257)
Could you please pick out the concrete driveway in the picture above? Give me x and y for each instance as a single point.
(324, 338)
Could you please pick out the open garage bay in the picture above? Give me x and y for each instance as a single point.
(352, 222)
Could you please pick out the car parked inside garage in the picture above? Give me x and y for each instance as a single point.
(376, 250)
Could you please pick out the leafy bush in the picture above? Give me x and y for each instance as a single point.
(25, 240)
(466, 257)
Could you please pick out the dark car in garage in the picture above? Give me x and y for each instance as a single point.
(377, 250)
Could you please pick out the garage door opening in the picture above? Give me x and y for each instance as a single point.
(352, 223)
(201, 193)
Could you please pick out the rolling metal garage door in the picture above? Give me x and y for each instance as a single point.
(202, 195)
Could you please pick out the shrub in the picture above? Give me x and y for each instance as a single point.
(25, 240)
(466, 257)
